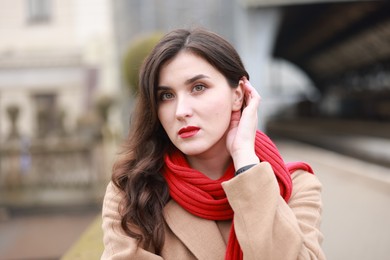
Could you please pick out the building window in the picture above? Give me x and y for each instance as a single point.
(39, 10)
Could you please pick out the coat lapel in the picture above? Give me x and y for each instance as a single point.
(202, 237)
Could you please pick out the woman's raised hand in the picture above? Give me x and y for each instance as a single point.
(240, 139)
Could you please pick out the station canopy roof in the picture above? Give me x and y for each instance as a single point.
(328, 40)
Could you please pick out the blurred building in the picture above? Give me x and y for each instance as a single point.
(59, 83)
(56, 59)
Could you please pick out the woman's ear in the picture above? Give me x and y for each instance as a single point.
(238, 96)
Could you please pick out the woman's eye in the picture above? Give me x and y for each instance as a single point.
(198, 88)
(166, 96)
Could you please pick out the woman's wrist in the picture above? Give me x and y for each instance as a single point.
(245, 159)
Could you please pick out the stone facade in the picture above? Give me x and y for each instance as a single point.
(56, 58)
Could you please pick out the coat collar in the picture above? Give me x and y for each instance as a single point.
(201, 236)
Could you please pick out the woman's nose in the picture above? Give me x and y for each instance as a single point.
(183, 108)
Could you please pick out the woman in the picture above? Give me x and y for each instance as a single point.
(196, 179)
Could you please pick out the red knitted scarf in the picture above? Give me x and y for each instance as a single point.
(206, 198)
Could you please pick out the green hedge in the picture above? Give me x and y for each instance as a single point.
(134, 57)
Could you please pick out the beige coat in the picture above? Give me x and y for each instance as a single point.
(266, 226)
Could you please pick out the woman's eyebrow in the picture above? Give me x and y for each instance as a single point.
(195, 78)
(187, 82)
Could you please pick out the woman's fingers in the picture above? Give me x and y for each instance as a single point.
(252, 97)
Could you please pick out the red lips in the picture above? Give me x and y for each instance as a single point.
(188, 131)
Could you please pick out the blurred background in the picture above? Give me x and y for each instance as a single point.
(68, 78)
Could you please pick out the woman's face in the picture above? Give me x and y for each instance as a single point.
(195, 104)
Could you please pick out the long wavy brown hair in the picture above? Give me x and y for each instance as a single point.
(138, 170)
